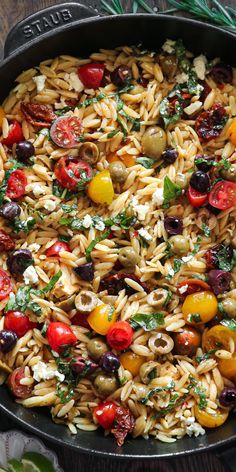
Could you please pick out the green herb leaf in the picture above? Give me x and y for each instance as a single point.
(93, 244)
(176, 267)
(112, 133)
(195, 317)
(23, 225)
(111, 311)
(205, 356)
(147, 321)
(206, 230)
(64, 238)
(156, 390)
(146, 162)
(229, 323)
(171, 191)
(61, 192)
(68, 208)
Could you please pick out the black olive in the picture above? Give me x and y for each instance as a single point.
(169, 156)
(204, 162)
(121, 75)
(85, 271)
(200, 181)
(173, 225)
(228, 397)
(10, 210)
(18, 261)
(82, 366)
(115, 283)
(8, 340)
(213, 210)
(219, 280)
(24, 151)
(109, 362)
(222, 73)
(217, 253)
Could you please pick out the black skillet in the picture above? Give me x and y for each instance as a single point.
(72, 28)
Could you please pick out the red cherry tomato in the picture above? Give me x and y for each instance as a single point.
(91, 74)
(18, 322)
(13, 382)
(66, 131)
(60, 336)
(105, 414)
(15, 134)
(80, 319)
(196, 198)
(192, 286)
(120, 335)
(6, 242)
(56, 248)
(5, 284)
(73, 174)
(16, 184)
(223, 195)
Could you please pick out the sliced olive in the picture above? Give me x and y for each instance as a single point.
(154, 142)
(229, 174)
(118, 172)
(67, 304)
(229, 307)
(86, 301)
(105, 385)
(96, 348)
(89, 152)
(149, 370)
(179, 244)
(128, 257)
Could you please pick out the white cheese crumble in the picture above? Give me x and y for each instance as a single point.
(145, 234)
(199, 64)
(38, 190)
(99, 225)
(50, 205)
(87, 221)
(139, 209)
(74, 81)
(183, 289)
(193, 107)
(191, 426)
(168, 46)
(30, 275)
(181, 78)
(34, 247)
(40, 82)
(42, 371)
(158, 197)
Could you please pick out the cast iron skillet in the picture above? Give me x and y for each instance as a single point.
(75, 29)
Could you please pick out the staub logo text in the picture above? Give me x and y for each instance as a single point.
(46, 23)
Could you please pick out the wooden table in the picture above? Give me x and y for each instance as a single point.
(11, 11)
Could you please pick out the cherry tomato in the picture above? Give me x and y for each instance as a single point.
(231, 133)
(91, 74)
(132, 362)
(199, 307)
(127, 159)
(217, 337)
(60, 336)
(56, 248)
(80, 319)
(192, 286)
(16, 184)
(227, 368)
(6, 242)
(120, 335)
(5, 284)
(101, 318)
(187, 341)
(223, 195)
(15, 134)
(18, 322)
(73, 174)
(105, 414)
(196, 198)
(13, 382)
(100, 189)
(66, 131)
(210, 421)
(2, 115)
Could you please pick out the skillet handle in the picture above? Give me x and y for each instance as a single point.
(44, 21)
(227, 458)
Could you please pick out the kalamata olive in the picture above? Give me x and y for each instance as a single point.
(227, 397)
(154, 142)
(229, 174)
(118, 172)
(200, 181)
(96, 348)
(169, 156)
(219, 280)
(10, 210)
(217, 253)
(89, 152)
(82, 366)
(173, 225)
(203, 162)
(179, 244)
(105, 385)
(85, 271)
(115, 283)
(24, 151)
(18, 261)
(109, 362)
(229, 306)
(121, 75)
(8, 340)
(128, 257)
(222, 73)
(169, 65)
(187, 341)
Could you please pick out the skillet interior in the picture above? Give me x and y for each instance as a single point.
(82, 38)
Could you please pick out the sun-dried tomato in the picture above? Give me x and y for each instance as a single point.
(6, 242)
(218, 255)
(206, 90)
(209, 123)
(38, 115)
(123, 424)
(115, 283)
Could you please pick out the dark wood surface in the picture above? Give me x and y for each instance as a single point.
(12, 11)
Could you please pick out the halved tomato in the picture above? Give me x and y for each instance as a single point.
(223, 195)
(217, 337)
(16, 184)
(196, 198)
(191, 286)
(66, 131)
(5, 284)
(72, 173)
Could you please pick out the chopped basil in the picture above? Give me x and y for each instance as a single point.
(135, 122)
(69, 208)
(205, 356)
(93, 244)
(112, 133)
(169, 295)
(45, 132)
(64, 238)
(170, 192)
(224, 262)
(111, 312)
(61, 192)
(156, 390)
(143, 242)
(176, 267)
(229, 323)
(23, 225)
(123, 220)
(146, 162)
(206, 230)
(194, 317)
(172, 113)
(147, 321)
(221, 308)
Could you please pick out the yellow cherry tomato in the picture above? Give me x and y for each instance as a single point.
(231, 133)
(102, 318)
(210, 421)
(2, 115)
(217, 337)
(127, 159)
(132, 362)
(100, 189)
(199, 307)
(227, 368)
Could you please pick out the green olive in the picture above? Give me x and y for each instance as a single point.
(182, 179)
(96, 348)
(89, 152)
(229, 174)
(233, 242)
(179, 244)
(118, 172)
(128, 257)
(149, 370)
(105, 385)
(67, 304)
(229, 306)
(154, 142)
(169, 65)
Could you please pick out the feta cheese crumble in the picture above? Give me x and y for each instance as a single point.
(87, 221)
(181, 78)
(158, 197)
(42, 371)
(74, 81)
(34, 247)
(50, 205)
(30, 275)
(40, 82)
(199, 64)
(193, 107)
(99, 225)
(192, 426)
(145, 234)
(169, 46)
(38, 190)
(139, 209)
(183, 289)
